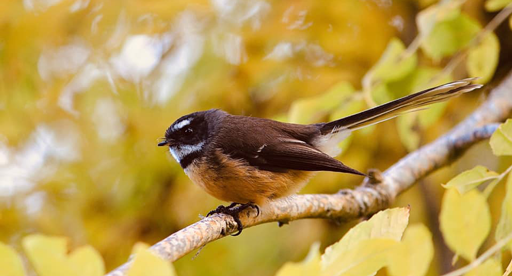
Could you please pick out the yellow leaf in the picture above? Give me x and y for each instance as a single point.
(87, 261)
(491, 267)
(309, 266)
(139, 247)
(146, 263)
(10, 262)
(495, 5)
(49, 257)
(470, 179)
(366, 258)
(387, 224)
(483, 59)
(501, 140)
(414, 254)
(504, 227)
(465, 221)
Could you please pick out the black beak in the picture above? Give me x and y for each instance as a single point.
(163, 143)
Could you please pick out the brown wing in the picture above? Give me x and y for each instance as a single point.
(274, 146)
(291, 154)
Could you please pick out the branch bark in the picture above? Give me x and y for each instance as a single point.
(375, 194)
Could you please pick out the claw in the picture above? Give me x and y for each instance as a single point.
(234, 212)
(221, 209)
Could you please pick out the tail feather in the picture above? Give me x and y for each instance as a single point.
(400, 106)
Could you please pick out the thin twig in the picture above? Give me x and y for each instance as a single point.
(486, 255)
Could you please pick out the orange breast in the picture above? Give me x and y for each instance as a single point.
(235, 181)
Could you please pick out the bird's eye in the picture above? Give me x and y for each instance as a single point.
(188, 131)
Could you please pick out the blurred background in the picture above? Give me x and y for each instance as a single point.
(88, 86)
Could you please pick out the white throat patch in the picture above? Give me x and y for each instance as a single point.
(181, 124)
(181, 152)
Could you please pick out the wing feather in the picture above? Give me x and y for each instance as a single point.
(292, 155)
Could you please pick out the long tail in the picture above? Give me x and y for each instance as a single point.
(397, 107)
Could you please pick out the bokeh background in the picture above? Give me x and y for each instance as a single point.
(88, 86)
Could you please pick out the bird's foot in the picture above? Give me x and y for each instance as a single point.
(233, 210)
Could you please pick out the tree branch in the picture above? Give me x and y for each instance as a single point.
(375, 194)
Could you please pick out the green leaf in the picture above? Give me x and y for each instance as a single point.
(366, 258)
(393, 65)
(501, 140)
(49, 257)
(387, 224)
(348, 108)
(465, 221)
(470, 179)
(407, 125)
(146, 263)
(504, 227)
(414, 254)
(449, 36)
(429, 17)
(10, 262)
(432, 114)
(421, 79)
(496, 5)
(313, 109)
(483, 59)
(491, 267)
(380, 93)
(309, 266)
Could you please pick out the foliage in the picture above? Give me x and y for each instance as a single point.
(465, 222)
(146, 263)
(372, 245)
(49, 257)
(87, 87)
(501, 142)
(10, 262)
(470, 179)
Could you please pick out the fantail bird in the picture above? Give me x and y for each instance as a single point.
(249, 161)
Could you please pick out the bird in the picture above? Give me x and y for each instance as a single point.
(250, 161)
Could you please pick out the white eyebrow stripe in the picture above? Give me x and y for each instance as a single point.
(182, 124)
(184, 150)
